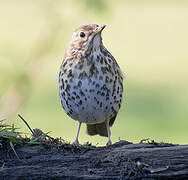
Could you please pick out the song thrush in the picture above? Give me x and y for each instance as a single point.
(90, 82)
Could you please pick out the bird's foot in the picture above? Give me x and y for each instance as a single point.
(76, 143)
(109, 143)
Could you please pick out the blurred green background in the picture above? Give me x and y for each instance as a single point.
(149, 39)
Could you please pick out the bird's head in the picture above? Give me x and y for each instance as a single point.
(85, 37)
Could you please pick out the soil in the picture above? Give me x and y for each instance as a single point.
(122, 160)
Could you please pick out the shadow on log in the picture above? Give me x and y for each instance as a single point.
(122, 160)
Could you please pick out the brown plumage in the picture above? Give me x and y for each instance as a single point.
(90, 81)
(100, 129)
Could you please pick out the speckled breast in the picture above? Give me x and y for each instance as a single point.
(90, 89)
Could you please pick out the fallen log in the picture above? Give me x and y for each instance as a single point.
(122, 160)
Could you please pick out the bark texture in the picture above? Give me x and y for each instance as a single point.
(122, 160)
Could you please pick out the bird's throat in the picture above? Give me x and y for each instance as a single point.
(97, 41)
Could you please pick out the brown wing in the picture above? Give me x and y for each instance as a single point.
(111, 122)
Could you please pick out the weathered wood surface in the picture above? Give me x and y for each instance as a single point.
(122, 160)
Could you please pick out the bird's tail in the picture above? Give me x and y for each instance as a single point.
(93, 129)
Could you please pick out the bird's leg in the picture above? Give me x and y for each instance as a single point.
(108, 130)
(76, 142)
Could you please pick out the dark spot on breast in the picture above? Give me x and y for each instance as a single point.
(101, 104)
(92, 69)
(63, 84)
(102, 94)
(82, 93)
(104, 87)
(100, 77)
(92, 90)
(64, 64)
(105, 53)
(106, 79)
(67, 103)
(70, 64)
(91, 57)
(80, 67)
(67, 87)
(103, 69)
(101, 60)
(97, 85)
(111, 72)
(79, 83)
(81, 61)
(82, 75)
(70, 74)
(113, 110)
(80, 102)
(77, 97)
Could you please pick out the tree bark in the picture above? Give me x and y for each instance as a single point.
(122, 160)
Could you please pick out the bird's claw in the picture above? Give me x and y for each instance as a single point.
(76, 143)
(109, 143)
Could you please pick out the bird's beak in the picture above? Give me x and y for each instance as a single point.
(99, 29)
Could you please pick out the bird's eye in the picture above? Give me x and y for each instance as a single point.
(82, 34)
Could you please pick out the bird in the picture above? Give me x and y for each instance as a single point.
(90, 82)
